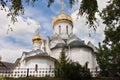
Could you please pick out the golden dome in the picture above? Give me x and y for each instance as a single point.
(37, 38)
(62, 17)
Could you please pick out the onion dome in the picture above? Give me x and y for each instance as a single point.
(37, 38)
(62, 17)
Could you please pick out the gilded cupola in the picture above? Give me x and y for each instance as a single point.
(62, 17)
(37, 38)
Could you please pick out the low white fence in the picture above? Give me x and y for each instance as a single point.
(40, 72)
(24, 72)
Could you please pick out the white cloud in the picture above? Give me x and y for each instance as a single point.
(14, 43)
(10, 55)
(102, 4)
(43, 17)
(21, 27)
(10, 52)
(82, 31)
(24, 29)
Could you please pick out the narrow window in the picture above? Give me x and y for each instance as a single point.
(36, 67)
(59, 29)
(67, 29)
(50, 67)
(86, 65)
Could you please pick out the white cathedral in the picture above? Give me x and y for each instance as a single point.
(41, 60)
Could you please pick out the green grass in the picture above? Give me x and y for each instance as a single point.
(48, 78)
(32, 78)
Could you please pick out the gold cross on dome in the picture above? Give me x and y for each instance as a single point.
(37, 25)
(37, 28)
(62, 5)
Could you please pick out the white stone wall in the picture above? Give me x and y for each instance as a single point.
(47, 46)
(63, 28)
(80, 54)
(44, 67)
(37, 45)
(56, 53)
(41, 62)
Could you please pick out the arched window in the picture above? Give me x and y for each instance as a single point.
(86, 65)
(36, 67)
(67, 29)
(59, 29)
(50, 67)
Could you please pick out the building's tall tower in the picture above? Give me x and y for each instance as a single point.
(37, 40)
(63, 24)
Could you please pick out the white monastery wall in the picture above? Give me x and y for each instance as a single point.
(83, 55)
(37, 45)
(63, 28)
(42, 63)
(56, 53)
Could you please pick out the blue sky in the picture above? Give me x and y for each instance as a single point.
(45, 15)
(14, 43)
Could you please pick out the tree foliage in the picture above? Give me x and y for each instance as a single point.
(61, 65)
(65, 68)
(109, 51)
(16, 8)
(110, 14)
(109, 60)
(89, 8)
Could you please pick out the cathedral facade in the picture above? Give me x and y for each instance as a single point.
(75, 48)
(40, 61)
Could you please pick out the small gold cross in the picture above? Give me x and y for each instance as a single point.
(62, 5)
(37, 28)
